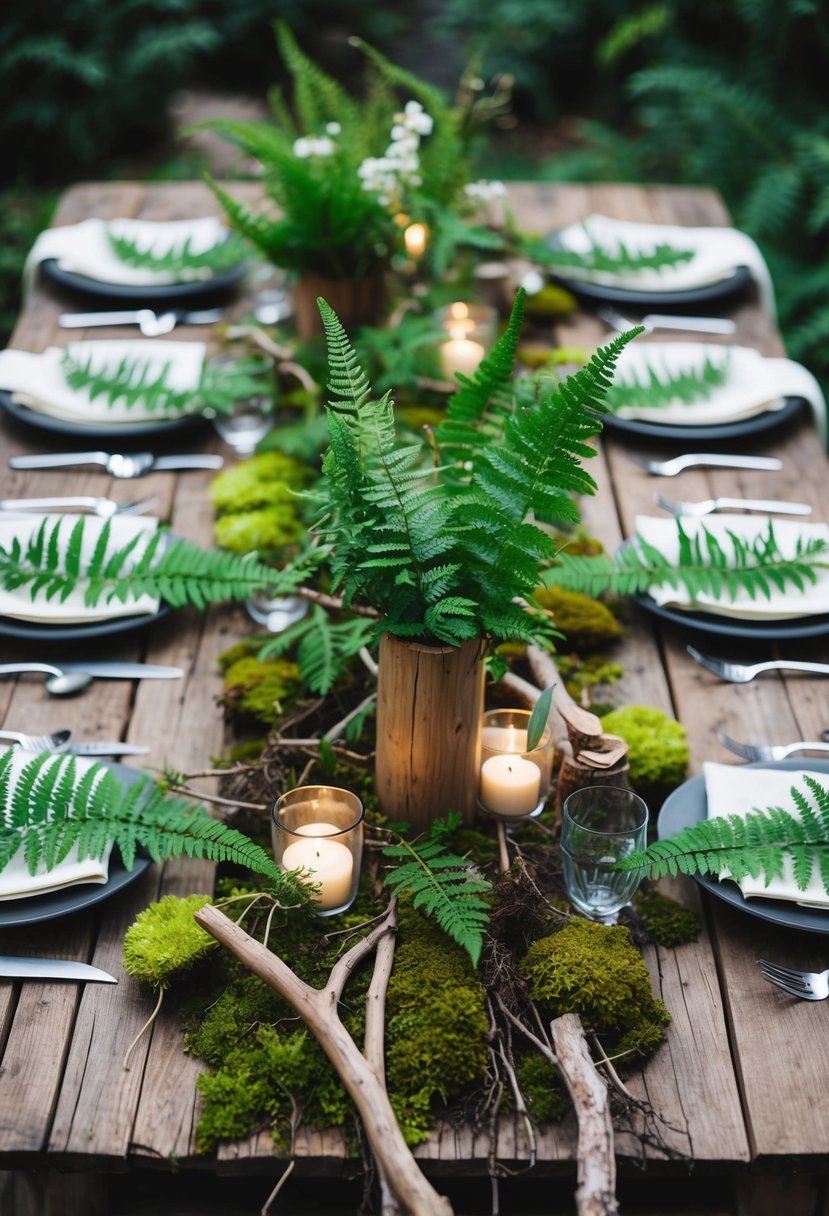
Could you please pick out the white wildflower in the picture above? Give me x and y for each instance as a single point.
(485, 191)
(416, 118)
(313, 145)
(333, 128)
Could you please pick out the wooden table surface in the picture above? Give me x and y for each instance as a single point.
(742, 1079)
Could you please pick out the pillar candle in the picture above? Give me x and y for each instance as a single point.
(510, 785)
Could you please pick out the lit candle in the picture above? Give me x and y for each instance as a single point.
(416, 238)
(460, 354)
(510, 785)
(331, 864)
(503, 739)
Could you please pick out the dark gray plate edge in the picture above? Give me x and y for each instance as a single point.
(167, 293)
(758, 423)
(687, 805)
(38, 908)
(125, 432)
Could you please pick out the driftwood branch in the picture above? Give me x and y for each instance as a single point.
(596, 1185)
(318, 1009)
(375, 1035)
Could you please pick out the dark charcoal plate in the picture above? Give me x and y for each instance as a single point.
(716, 432)
(16, 912)
(687, 806)
(121, 433)
(218, 287)
(727, 627)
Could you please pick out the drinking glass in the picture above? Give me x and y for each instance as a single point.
(600, 825)
(319, 829)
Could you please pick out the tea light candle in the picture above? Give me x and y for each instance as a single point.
(461, 354)
(503, 739)
(331, 864)
(510, 785)
(416, 238)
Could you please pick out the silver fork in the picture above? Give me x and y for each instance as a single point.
(742, 673)
(770, 751)
(707, 506)
(58, 741)
(699, 325)
(104, 507)
(808, 985)
(705, 460)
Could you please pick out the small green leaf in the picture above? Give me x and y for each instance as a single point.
(538, 718)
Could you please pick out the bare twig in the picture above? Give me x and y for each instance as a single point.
(334, 602)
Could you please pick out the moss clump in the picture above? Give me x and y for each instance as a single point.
(260, 689)
(595, 970)
(550, 301)
(264, 480)
(657, 747)
(436, 1024)
(541, 1086)
(591, 672)
(164, 941)
(587, 624)
(268, 529)
(666, 922)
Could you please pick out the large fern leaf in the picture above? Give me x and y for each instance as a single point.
(444, 886)
(752, 845)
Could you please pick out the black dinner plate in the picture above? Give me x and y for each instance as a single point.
(122, 432)
(787, 630)
(34, 632)
(17, 912)
(218, 286)
(716, 432)
(687, 805)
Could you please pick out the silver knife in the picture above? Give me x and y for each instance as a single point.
(12, 967)
(99, 747)
(133, 465)
(125, 671)
(83, 320)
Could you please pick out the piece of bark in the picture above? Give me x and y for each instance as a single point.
(572, 776)
(584, 729)
(596, 1163)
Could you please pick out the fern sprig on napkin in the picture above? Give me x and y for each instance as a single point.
(704, 566)
(618, 260)
(755, 845)
(53, 806)
(180, 258)
(661, 388)
(51, 565)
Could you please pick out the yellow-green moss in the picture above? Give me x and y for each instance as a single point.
(590, 672)
(262, 481)
(164, 941)
(550, 301)
(657, 747)
(541, 1086)
(586, 623)
(666, 921)
(595, 970)
(260, 689)
(266, 529)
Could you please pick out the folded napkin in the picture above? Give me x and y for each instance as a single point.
(19, 604)
(85, 249)
(732, 789)
(39, 381)
(813, 600)
(15, 880)
(717, 254)
(753, 383)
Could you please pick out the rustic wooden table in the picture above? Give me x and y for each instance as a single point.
(742, 1079)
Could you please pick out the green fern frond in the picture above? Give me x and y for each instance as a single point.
(318, 97)
(132, 381)
(55, 807)
(324, 647)
(656, 389)
(704, 567)
(756, 844)
(618, 260)
(179, 572)
(180, 259)
(444, 886)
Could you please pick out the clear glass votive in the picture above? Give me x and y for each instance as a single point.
(470, 330)
(515, 781)
(600, 825)
(276, 613)
(319, 828)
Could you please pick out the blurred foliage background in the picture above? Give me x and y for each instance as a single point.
(727, 93)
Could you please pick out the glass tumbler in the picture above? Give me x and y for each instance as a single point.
(319, 829)
(600, 825)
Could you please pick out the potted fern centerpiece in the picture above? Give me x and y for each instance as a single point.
(344, 177)
(443, 543)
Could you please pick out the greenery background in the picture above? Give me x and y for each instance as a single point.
(720, 92)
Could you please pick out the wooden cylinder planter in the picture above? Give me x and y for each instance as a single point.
(355, 301)
(429, 705)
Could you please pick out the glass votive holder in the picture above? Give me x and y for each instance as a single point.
(470, 331)
(601, 824)
(319, 829)
(251, 415)
(515, 780)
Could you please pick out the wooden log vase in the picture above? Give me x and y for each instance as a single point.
(429, 705)
(355, 301)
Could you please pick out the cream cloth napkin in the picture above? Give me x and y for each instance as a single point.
(752, 386)
(39, 381)
(15, 880)
(732, 789)
(85, 249)
(717, 253)
(19, 603)
(812, 601)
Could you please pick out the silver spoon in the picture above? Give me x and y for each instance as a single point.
(60, 683)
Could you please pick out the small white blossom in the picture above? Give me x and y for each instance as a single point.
(313, 145)
(416, 118)
(485, 191)
(333, 128)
